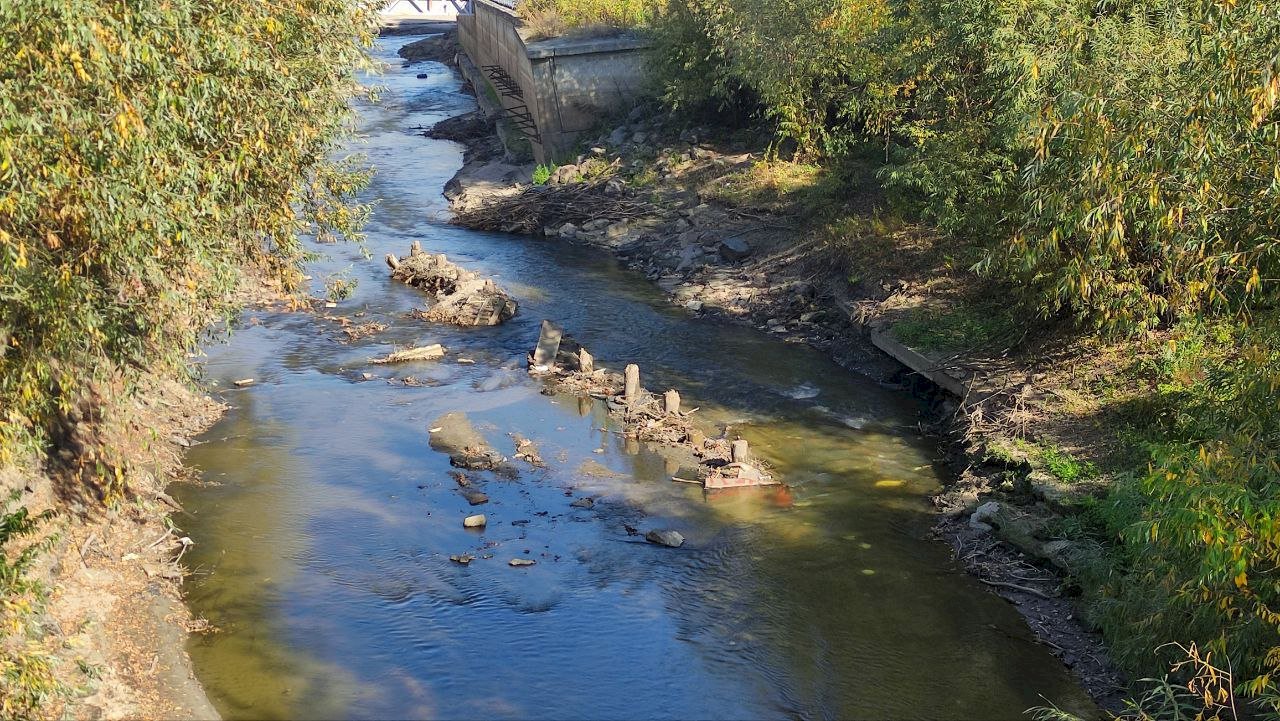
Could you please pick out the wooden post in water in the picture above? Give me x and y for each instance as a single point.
(671, 402)
(415, 248)
(548, 344)
(631, 392)
(739, 452)
(586, 363)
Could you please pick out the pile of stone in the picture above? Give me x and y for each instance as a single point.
(461, 296)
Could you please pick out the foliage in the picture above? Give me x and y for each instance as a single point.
(1154, 192)
(1194, 688)
(542, 173)
(1064, 467)
(340, 286)
(1119, 158)
(150, 151)
(803, 61)
(551, 18)
(26, 676)
(1195, 545)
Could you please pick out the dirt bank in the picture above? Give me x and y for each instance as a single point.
(113, 628)
(114, 625)
(702, 217)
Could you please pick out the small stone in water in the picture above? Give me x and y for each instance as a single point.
(244, 382)
(665, 537)
(476, 498)
(584, 503)
(476, 521)
(463, 559)
(522, 562)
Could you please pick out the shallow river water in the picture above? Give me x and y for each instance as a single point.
(324, 533)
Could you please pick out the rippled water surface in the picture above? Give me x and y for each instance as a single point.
(325, 532)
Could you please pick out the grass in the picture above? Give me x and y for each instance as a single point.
(779, 186)
(961, 327)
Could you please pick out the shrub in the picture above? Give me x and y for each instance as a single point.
(551, 18)
(149, 152)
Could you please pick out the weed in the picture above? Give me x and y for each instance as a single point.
(542, 174)
(963, 327)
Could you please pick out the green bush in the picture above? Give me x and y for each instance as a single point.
(1198, 540)
(150, 152)
(542, 173)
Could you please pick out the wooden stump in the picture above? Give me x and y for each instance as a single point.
(740, 452)
(586, 363)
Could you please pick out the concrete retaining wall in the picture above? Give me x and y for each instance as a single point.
(569, 85)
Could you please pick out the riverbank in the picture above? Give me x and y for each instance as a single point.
(728, 235)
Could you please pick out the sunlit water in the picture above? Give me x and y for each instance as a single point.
(323, 541)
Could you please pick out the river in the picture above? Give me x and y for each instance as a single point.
(324, 532)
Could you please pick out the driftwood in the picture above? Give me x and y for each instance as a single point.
(427, 352)
(533, 208)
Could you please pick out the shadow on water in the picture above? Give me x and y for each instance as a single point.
(325, 532)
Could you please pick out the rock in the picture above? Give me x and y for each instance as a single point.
(694, 305)
(732, 249)
(615, 186)
(681, 225)
(689, 257)
(665, 537)
(1049, 488)
(475, 498)
(423, 76)
(564, 175)
(462, 558)
(427, 352)
(985, 514)
(476, 521)
(568, 230)
(809, 317)
(639, 138)
(522, 562)
(597, 150)
(243, 382)
(618, 136)
(583, 503)
(617, 231)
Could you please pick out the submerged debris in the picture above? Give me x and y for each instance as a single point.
(453, 434)
(462, 297)
(426, 352)
(643, 415)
